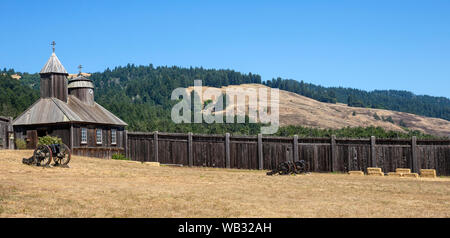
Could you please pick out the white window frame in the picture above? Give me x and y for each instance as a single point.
(99, 142)
(113, 137)
(84, 135)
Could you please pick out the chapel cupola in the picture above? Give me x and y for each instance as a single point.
(54, 78)
(82, 88)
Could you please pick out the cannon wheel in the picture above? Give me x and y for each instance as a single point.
(42, 155)
(301, 166)
(64, 155)
(283, 168)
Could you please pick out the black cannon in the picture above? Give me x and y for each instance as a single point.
(44, 154)
(288, 167)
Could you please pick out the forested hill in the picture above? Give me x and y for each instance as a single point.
(140, 95)
(15, 97)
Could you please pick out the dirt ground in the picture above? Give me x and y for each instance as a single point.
(109, 188)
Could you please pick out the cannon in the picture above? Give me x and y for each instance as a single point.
(44, 154)
(288, 167)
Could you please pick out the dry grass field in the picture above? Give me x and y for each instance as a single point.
(108, 188)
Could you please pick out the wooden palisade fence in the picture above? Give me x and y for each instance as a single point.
(261, 152)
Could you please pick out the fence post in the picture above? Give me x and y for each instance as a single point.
(373, 155)
(190, 152)
(148, 148)
(260, 152)
(415, 164)
(295, 148)
(227, 150)
(155, 140)
(10, 134)
(125, 143)
(333, 154)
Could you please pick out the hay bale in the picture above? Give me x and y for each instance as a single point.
(157, 164)
(403, 170)
(427, 176)
(143, 162)
(411, 175)
(375, 174)
(428, 173)
(373, 170)
(395, 174)
(356, 173)
(131, 161)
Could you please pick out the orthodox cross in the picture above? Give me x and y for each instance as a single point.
(79, 68)
(53, 44)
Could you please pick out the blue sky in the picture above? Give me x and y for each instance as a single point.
(361, 44)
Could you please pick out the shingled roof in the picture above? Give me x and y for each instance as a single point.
(53, 65)
(53, 110)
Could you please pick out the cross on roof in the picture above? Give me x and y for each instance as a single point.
(79, 68)
(53, 44)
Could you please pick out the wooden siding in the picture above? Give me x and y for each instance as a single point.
(97, 152)
(105, 150)
(92, 136)
(54, 86)
(83, 95)
(5, 129)
(31, 134)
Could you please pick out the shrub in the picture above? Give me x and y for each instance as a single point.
(376, 116)
(21, 144)
(119, 157)
(388, 119)
(402, 123)
(48, 140)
